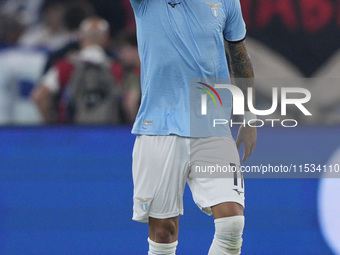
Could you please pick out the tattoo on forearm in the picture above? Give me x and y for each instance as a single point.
(241, 67)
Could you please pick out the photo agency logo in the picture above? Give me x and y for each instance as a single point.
(287, 94)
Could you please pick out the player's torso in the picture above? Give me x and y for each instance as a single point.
(178, 40)
(177, 35)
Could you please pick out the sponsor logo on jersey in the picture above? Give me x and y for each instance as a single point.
(173, 5)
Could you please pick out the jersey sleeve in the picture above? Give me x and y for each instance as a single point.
(138, 5)
(235, 27)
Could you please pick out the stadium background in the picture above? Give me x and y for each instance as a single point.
(68, 189)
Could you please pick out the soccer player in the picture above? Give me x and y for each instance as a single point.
(180, 40)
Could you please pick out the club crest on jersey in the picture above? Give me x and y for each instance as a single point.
(214, 8)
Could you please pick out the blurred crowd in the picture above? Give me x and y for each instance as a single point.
(64, 62)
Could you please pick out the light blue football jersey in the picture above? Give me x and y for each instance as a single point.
(181, 40)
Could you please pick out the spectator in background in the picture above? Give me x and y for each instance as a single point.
(65, 79)
(75, 13)
(10, 30)
(113, 11)
(20, 70)
(128, 55)
(26, 11)
(49, 33)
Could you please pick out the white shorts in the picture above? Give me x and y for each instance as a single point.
(163, 164)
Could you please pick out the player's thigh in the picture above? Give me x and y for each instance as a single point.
(160, 166)
(215, 176)
(227, 209)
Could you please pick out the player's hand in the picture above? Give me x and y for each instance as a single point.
(248, 136)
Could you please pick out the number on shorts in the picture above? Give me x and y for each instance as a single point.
(236, 173)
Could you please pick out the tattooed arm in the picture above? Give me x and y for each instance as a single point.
(242, 71)
(241, 67)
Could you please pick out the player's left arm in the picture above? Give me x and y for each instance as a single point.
(242, 71)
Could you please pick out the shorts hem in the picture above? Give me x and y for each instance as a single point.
(207, 208)
(158, 216)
